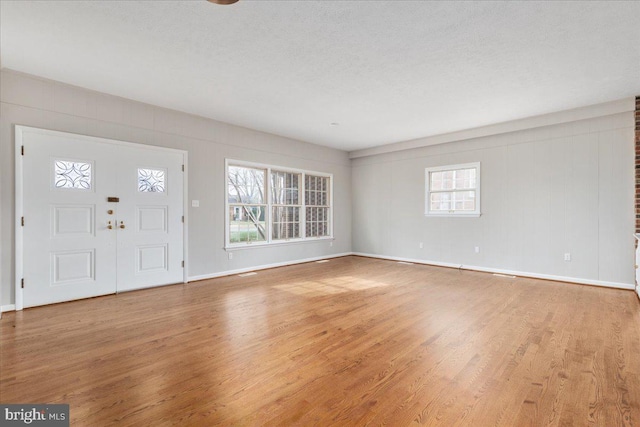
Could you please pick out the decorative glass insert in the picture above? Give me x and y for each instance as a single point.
(76, 175)
(151, 181)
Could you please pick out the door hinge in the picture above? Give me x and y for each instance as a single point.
(182, 264)
(22, 150)
(182, 218)
(182, 168)
(22, 283)
(22, 221)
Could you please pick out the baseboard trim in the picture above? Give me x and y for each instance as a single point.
(411, 260)
(264, 267)
(573, 280)
(8, 307)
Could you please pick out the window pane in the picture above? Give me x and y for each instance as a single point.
(458, 179)
(247, 223)
(317, 190)
(150, 181)
(246, 185)
(76, 175)
(453, 201)
(447, 180)
(436, 181)
(442, 180)
(286, 222)
(285, 188)
(317, 222)
(441, 201)
(465, 178)
(465, 200)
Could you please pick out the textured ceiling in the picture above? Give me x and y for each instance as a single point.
(386, 71)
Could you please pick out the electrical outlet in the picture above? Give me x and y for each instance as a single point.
(195, 203)
(567, 256)
(330, 244)
(421, 245)
(230, 255)
(477, 249)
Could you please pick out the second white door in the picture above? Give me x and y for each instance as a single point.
(150, 221)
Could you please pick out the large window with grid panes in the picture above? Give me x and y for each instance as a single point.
(453, 190)
(271, 204)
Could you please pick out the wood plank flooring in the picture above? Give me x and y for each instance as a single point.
(353, 341)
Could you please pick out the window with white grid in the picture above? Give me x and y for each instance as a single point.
(453, 190)
(271, 204)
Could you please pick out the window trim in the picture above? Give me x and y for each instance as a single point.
(427, 205)
(269, 205)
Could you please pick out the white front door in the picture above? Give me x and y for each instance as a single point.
(99, 217)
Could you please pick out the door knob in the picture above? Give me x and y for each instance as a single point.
(109, 226)
(121, 224)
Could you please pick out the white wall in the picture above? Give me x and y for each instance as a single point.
(31, 101)
(546, 190)
(567, 187)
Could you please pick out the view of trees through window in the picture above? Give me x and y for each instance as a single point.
(270, 205)
(247, 204)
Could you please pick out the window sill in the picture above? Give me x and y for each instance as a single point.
(243, 246)
(453, 215)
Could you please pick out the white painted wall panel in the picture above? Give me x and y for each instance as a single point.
(580, 224)
(371, 219)
(616, 258)
(565, 188)
(31, 101)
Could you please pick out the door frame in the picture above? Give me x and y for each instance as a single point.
(19, 130)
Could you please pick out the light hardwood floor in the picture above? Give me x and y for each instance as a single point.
(353, 341)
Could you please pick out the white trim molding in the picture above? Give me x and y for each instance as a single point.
(572, 280)
(624, 105)
(8, 307)
(265, 267)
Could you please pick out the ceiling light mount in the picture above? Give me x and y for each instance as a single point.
(223, 2)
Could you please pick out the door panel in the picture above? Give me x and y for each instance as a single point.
(150, 247)
(77, 244)
(69, 253)
(72, 220)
